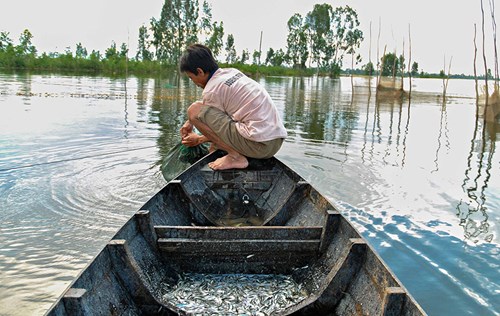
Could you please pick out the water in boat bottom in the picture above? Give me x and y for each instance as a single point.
(234, 294)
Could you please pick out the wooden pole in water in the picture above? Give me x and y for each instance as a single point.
(494, 105)
(370, 51)
(260, 45)
(409, 60)
(446, 77)
(475, 70)
(402, 69)
(494, 27)
(380, 72)
(126, 55)
(370, 74)
(378, 51)
(484, 60)
(394, 65)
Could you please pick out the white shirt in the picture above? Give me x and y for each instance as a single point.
(246, 102)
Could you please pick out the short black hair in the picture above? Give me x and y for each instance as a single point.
(198, 56)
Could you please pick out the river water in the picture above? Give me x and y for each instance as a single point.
(418, 178)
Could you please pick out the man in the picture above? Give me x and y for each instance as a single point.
(236, 114)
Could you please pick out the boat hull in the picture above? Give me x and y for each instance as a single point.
(261, 220)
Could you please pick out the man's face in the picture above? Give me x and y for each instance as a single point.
(200, 78)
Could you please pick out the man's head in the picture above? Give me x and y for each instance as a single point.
(198, 63)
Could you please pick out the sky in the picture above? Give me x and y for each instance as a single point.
(441, 30)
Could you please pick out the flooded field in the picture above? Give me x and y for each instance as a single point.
(419, 177)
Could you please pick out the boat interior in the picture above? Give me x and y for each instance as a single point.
(261, 220)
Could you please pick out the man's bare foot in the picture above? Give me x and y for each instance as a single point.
(229, 162)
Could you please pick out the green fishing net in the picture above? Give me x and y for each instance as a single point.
(193, 154)
(180, 157)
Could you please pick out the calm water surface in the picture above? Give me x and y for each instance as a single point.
(420, 180)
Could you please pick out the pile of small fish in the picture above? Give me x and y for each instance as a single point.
(234, 294)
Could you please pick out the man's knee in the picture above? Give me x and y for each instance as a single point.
(194, 110)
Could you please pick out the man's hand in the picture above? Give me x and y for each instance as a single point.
(186, 129)
(193, 139)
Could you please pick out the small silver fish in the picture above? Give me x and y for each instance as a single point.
(234, 294)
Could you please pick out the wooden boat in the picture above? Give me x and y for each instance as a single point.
(265, 220)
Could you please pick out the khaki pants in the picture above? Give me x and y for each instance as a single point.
(222, 125)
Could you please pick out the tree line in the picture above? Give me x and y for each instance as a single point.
(318, 42)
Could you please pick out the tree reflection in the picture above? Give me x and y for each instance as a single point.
(142, 92)
(472, 211)
(394, 138)
(171, 97)
(317, 108)
(443, 133)
(25, 88)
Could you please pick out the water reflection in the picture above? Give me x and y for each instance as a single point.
(171, 98)
(25, 90)
(125, 110)
(421, 175)
(382, 125)
(443, 133)
(316, 110)
(472, 210)
(391, 101)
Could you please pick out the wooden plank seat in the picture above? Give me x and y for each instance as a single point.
(253, 249)
(238, 239)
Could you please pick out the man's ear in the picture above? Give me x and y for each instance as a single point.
(199, 71)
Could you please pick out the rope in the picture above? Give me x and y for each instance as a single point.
(73, 159)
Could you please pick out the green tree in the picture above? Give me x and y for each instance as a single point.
(168, 31)
(80, 52)
(95, 57)
(25, 46)
(345, 38)
(206, 20)
(256, 57)
(180, 24)
(191, 15)
(123, 51)
(317, 23)
(275, 58)
(165, 33)
(330, 35)
(156, 42)
(297, 50)
(269, 56)
(111, 52)
(7, 51)
(414, 68)
(215, 41)
(178, 38)
(230, 50)
(245, 55)
(5, 41)
(143, 52)
(368, 69)
(22, 55)
(401, 64)
(390, 64)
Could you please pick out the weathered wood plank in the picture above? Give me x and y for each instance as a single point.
(73, 301)
(143, 219)
(395, 298)
(249, 232)
(329, 229)
(271, 246)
